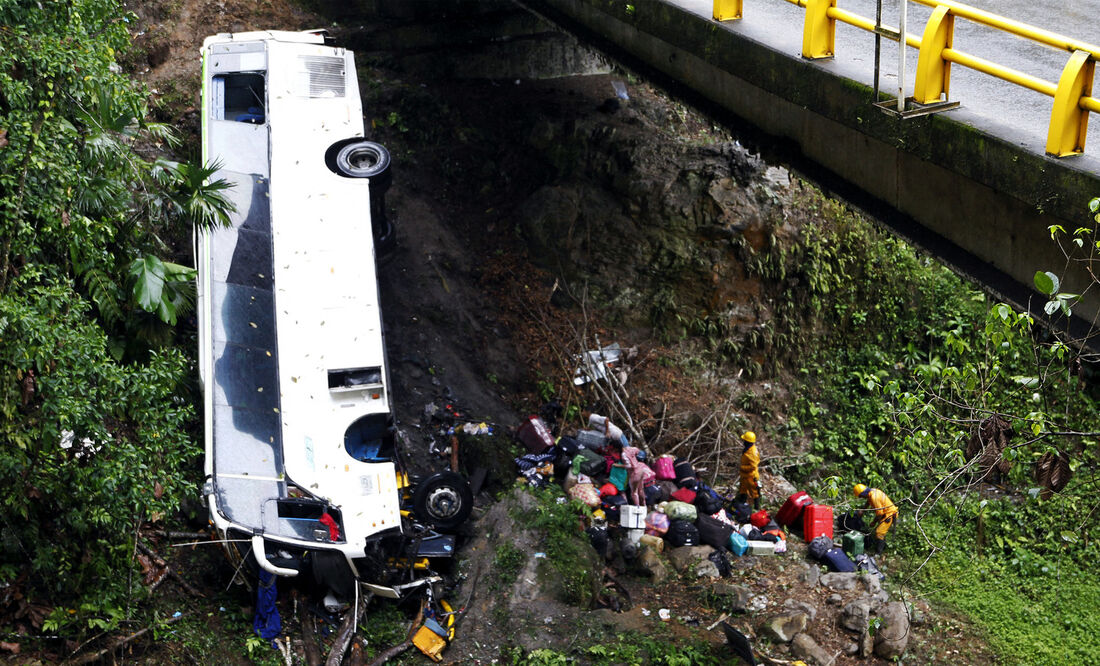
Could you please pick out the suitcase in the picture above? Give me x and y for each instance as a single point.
(852, 543)
(760, 519)
(761, 548)
(632, 517)
(837, 560)
(591, 463)
(682, 533)
(713, 532)
(707, 500)
(737, 544)
(817, 520)
(792, 509)
(535, 435)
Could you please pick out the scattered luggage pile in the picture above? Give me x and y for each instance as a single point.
(595, 468)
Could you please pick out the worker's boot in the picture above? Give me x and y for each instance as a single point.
(756, 503)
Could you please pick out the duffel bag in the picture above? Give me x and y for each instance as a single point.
(713, 532)
(760, 519)
(611, 505)
(585, 493)
(682, 533)
(685, 495)
(837, 560)
(684, 471)
(819, 546)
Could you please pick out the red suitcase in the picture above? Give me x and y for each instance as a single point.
(817, 520)
(792, 509)
(760, 519)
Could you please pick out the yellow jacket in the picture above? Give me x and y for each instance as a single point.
(750, 465)
(883, 506)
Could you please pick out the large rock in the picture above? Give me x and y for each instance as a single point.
(707, 569)
(871, 582)
(892, 635)
(856, 616)
(840, 581)
(650, 561)
(783, 628)
(737, 596)
(805, 647)
(811, 574)
(685, 557)
(796, 605)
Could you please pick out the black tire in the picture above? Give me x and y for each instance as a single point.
(443, 500)
(363, 159)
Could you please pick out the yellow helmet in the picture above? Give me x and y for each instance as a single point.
(749, 437)
(858, 489)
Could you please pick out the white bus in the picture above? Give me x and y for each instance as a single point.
(303, 475)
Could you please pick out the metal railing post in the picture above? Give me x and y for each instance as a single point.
(1069, 122)
(933, 71)
(819, 31)
(727, 10)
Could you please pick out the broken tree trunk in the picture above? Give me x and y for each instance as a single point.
(346, 631)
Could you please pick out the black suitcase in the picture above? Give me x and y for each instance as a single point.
(682, 533)
(713, 532)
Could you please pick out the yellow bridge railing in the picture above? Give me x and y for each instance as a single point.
(1072, 93)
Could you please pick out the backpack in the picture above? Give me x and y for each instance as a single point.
(741, 512)
(819, 546)
(706, 500)
(682, 533)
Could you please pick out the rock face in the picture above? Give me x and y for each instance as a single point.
(805, 647)
(892, 636)
(783, 628)
(811, 574)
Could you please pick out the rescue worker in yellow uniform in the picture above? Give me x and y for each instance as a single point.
(750, 470)
(886, 513)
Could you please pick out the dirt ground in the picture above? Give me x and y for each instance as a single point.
(471, 321)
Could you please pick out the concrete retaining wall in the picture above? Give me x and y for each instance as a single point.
(979, 191)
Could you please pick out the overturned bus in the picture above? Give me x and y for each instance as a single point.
(304, 474)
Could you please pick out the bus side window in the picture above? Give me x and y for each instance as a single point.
(238, 97)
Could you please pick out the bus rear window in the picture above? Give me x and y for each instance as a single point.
(239, 97)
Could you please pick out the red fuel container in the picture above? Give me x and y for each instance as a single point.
(817, 520)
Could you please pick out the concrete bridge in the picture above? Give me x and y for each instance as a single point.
(974, 183)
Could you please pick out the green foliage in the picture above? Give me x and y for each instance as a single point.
(97, 448)
(383, 626)
(94, 398)
(507, 562)
(627, 648)
(916, 360)
(568, 553)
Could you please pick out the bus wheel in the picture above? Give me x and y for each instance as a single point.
(363, 159)
(443, 500)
